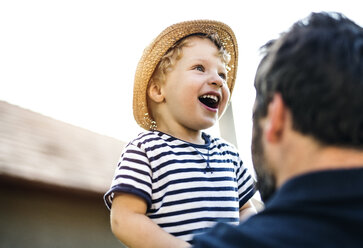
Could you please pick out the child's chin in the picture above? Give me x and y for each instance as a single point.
(208, 124)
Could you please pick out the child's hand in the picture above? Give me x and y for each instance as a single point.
(246, 211)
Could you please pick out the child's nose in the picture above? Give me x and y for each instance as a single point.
(216, 80)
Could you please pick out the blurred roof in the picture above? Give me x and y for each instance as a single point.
(40, 149)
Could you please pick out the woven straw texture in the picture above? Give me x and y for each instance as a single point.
(160, 45)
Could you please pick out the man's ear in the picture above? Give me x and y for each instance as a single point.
(155, 92)
(276, 118)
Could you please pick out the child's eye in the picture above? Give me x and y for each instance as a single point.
(199, 68)
(223, 76)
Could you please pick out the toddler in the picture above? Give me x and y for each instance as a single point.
(174, 181)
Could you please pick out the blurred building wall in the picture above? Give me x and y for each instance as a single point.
(34, 216)
(52, 179)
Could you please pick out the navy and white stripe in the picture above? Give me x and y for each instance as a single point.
(184, 195)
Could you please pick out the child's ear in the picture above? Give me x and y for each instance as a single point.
(154, 92)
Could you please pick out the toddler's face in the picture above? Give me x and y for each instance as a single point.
(195, 90)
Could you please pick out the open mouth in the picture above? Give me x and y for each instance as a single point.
(210, 101)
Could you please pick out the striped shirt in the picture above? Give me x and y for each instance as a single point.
(187, 187)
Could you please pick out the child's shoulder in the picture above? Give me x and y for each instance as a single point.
(218, 141)
(221, 144)
(145, 137)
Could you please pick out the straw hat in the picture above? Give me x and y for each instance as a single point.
(160, 45)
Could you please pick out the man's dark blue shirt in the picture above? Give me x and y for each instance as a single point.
(319, 209)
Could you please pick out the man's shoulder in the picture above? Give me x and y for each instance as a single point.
(273, 229)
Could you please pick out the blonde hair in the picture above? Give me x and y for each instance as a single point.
(175, 53)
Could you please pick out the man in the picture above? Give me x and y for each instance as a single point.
(307, 144)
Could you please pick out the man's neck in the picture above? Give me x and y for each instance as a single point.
(308, 156)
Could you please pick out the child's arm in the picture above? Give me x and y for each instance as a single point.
(246, 211)
(130, 224)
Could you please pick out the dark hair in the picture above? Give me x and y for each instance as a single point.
(317, 67)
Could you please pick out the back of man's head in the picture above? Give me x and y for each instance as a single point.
(317, 67)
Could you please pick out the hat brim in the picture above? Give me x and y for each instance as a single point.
(160, 45)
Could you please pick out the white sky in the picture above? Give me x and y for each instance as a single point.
(74, 60)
